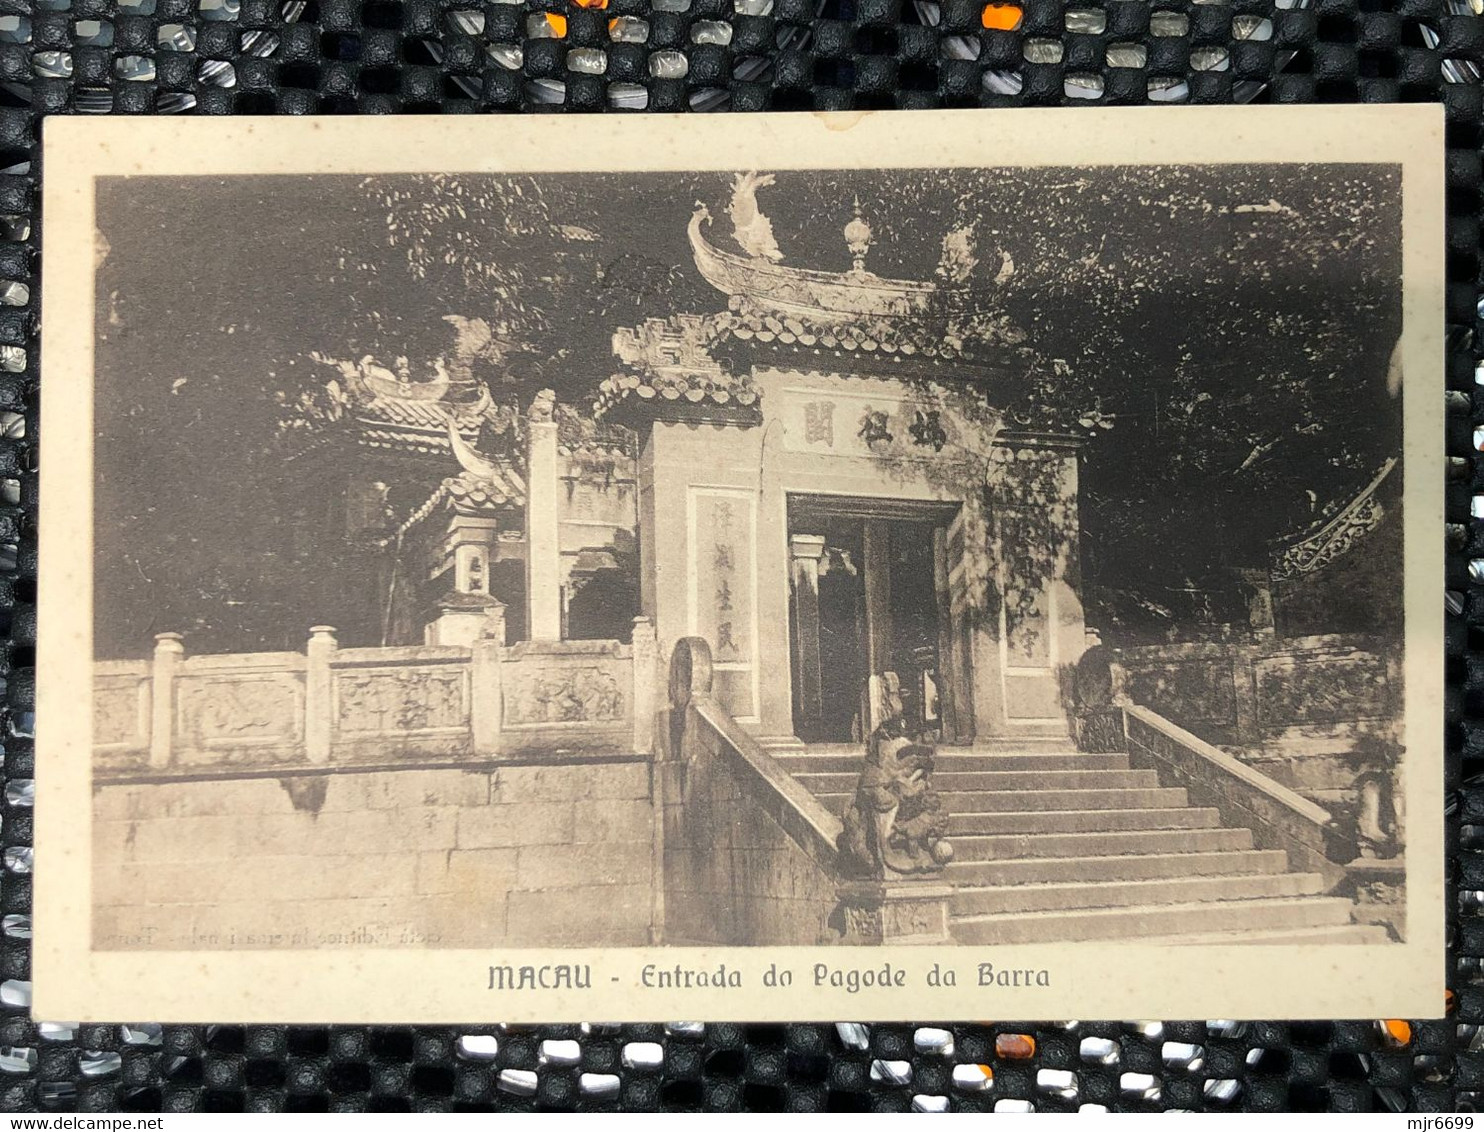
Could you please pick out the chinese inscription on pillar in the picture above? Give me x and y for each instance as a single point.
(724, 589)
(724, 571)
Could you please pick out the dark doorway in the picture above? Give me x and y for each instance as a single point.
(916, 627)
(868, 595)
(842, 632)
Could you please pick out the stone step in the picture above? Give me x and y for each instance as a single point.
(1117, 894)
(1074, 821)
(1339, 933)
(954, 782)
(952, 759)
(1098, 843)
(1020, 801)
(999, 801)
(1036, 870)
(1012, 745)
(1282, 913)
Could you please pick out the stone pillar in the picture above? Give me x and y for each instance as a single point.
(1259, 585)
(485, 695)
(1243, 660)
(645, 687)
(169, 652)
(1395, 697)
(543, 542)
(319, 720)
(1039, 633)
(494, 624)
(947, 684)
(805, 552)
(878, 596)
(462, 619)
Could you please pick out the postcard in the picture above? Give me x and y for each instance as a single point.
(952, 565)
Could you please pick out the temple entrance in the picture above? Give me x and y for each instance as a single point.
(868, 594)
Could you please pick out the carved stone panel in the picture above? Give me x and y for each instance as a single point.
(1188, 692)
(1321, 690)
(121, 711)
(390, 700)
(245, 709)
(593, 692)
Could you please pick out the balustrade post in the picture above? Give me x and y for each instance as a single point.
(1117, 681)
(646, 677)
(319, 693)
(169, 651)
(1248, 709)
(484, 683)
(543, 537)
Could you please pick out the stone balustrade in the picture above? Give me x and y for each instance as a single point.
(179, 715)
(1266, 692)
(1307, 711)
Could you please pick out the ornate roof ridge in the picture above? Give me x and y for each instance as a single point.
(837, 296)
(1327, 539)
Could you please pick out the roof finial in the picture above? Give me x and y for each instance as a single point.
(858, 239)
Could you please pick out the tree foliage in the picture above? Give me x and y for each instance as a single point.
(1221, 337)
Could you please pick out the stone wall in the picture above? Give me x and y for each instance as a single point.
(527, 855)
(742, 866)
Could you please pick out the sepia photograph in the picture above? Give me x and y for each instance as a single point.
(1009, 555)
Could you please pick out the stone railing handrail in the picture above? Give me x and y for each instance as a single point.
(1223, 763)
(398, 654)
(802, 816)
(1278, 817)
(797, 811)
(236, 661)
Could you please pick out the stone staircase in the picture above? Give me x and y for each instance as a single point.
(1052, 845)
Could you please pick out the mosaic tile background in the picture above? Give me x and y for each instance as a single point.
(459, 56)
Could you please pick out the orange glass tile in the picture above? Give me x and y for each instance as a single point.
(596, 5)
(1396, 1032)
(1001, 17)
(557, 23)
(987, 1071)
(1450, 1002)
(1014, 1047)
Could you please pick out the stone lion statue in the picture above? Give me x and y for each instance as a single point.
(896, 822)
